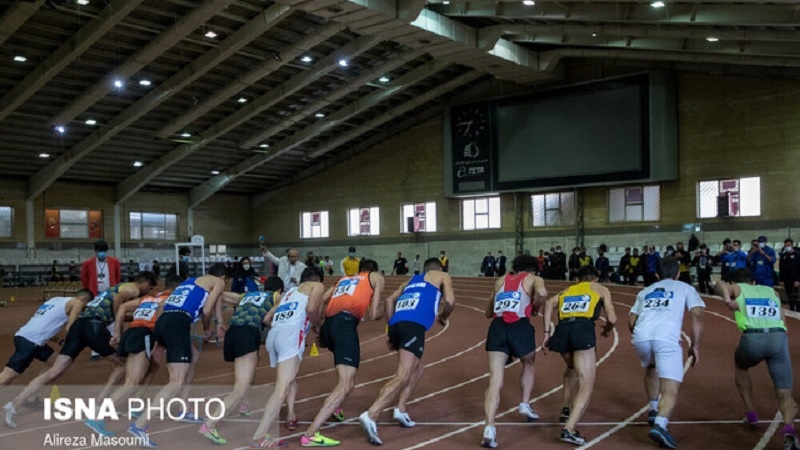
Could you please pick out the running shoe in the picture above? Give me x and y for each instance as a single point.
(244, 409)
(403, 419)
(651, 417)
(489, 437)
(661, 436)
(134, 414)
(8, 415)
(189, 417)
(99, 427)
(212, 434)
(750, 417)
(790, 442)
(317, 441)
(34, 404)
(292, 425)
(268, 442)
(371, 428)
(564, 414)
(526, 411)
(338, 415)
(572, 438)
(143, 437)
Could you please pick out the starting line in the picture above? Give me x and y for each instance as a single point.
(534, 424)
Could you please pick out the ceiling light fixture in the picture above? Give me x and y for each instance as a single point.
(61, 129)
(145, 82)
(118, 83)
(264, 145)
(20, 58)
(138, 164)
(446, 2)
(186, 134)
(215, 172)
(242, 100)
(594, 34)
(91, 122)
(343, 62)
(528, 2)
(44, 155)
(319, 115)
(383, 79)
(712, 39)
(657, 4)
(210, 34)
(306, 59)
(82, 2)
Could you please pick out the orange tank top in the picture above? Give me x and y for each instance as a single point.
(145, 314)
(351, 295)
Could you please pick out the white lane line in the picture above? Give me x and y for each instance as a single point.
(533, 424)
(776, 421)
(509, 411)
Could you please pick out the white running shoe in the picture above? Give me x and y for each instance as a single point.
(8, 415)
(371, 428)
(526, 411)
(489, 437)
(403, 419)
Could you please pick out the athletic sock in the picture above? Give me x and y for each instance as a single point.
(662, 422)
(653, 405)
(788, 429)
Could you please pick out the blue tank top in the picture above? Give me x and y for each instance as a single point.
(189, 298)
(419, 303)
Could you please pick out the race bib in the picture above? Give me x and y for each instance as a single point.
(178, 298)
(507, 302)
(256, 300)
(284, 312)
(97, 301)
(346, 287)
(657, 300)
(146, 311)
(43, 309)
(576, 304)
(764, 308)
(407, 302)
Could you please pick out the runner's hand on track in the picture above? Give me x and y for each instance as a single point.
(544, 343)
(114, 341)
(442, 321)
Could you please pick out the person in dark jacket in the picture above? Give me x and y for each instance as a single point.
(703, 262)
(603, 266)
(487, 265)
(650, 265)
(560, 268)
(685, 261)
(244, 271)
(694, 243)
(790, 273)
(500, 263)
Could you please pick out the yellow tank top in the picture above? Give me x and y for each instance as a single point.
(350, 266)
(634, 262)
(579, 301)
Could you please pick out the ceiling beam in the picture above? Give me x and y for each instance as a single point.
(135, 182)
(160, 44)
(64, 55)
(265, 68)
(16, 16)
(207, 189)
(207, 61)
(385, 117)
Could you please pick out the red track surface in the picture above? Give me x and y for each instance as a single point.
(448, 402)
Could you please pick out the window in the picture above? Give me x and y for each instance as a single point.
(742, 196)
(480, 213)
(153, 226)
(6, 221)
(553, 210)
(73, 224)
(217, 249)
(634, 204)
(314, 224)
(419, 217)
(363, 222)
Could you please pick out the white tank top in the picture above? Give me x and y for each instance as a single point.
(292, 311)
(46, 321)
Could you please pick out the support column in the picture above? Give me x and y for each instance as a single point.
(190, 220)
(579, 226)
(519, 228)
(30, 230)
(117, 230)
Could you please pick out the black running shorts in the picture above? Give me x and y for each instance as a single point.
(134, 340)
(87, 332)
(408, 336)
(240, 340)
(173, 331)
(339, 334)
(25, 352)
(572, 335)
(514, 339)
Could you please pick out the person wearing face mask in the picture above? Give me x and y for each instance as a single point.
(762, 262)
(101, 271)
(289, 267)
(790, 274)
(244, 272)
(650, 262)
(685, 261)
(349, 265)
(733, 258)
(182, 265)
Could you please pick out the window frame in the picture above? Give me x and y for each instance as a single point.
(427, 219)
(560, 209)
(10, 222)
(324, 219)
(164, 230)
(491, 223)
(627, 204)
(735, 203)
(372, 223)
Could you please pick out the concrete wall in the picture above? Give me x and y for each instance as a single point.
(728, 127)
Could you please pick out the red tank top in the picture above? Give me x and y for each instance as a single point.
(352, 294)
(511, 302)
